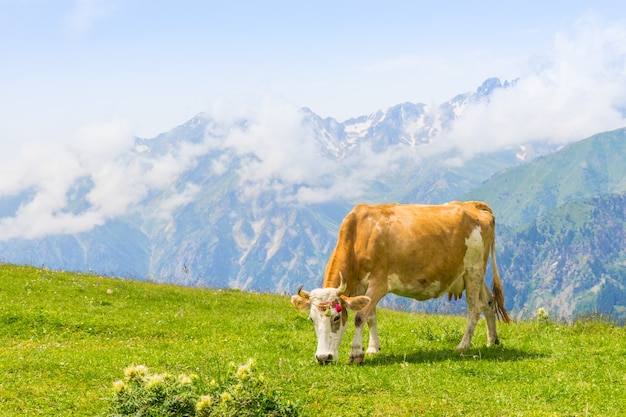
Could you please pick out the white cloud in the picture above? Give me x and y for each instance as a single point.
(279, 152)
(174, 201)
(282, 155)
(271, 136)
(579, 91)
(102, 141)
(118, 181)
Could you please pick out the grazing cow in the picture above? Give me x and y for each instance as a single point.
(412, 250)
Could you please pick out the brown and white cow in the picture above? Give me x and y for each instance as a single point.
(416, 251)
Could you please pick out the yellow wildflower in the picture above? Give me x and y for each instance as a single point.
(119, 386)
(136, 372)
(185, 379)
(244, 371)
(155, 380)
(206, 401)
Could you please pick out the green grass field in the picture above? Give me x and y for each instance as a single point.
(65, 338)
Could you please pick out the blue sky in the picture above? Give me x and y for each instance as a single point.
(154, 64)
(79, 79)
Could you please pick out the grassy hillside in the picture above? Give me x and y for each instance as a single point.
(581, 170)
(64, 339)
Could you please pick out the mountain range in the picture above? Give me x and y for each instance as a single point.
(562, 224)
(265, 218)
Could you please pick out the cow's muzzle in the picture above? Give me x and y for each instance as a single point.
(325, 358)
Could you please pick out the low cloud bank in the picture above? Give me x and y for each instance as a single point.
(578, 91)
(99, 164)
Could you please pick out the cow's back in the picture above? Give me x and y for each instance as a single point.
(414, 250)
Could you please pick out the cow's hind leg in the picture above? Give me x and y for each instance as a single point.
(489, 310)
(473, 289)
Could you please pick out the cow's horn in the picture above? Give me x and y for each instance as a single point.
(343, 285)
(301, 293)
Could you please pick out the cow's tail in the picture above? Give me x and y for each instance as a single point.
(498, 293)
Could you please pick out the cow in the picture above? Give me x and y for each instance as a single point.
(412, 250)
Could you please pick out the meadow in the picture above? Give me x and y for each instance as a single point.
(66, 337)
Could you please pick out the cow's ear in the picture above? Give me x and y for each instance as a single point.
(301, 303)
(356, 303)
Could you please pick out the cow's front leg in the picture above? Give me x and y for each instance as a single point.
(368, 315)
(356, 352)
(374, 344)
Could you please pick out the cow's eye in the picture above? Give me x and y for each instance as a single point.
(336, 318)
(311, 319)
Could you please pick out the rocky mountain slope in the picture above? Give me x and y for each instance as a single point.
(241, 209)
(562, 236)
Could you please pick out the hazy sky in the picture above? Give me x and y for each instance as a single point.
(154, 64)
(79, 79)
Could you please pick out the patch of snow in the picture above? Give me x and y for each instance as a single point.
(276, 239)
(358, 129)
(416, 132)
(245, 242)
(458, 108)
(596, 288)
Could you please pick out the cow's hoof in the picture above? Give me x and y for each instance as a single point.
(461, 348)
(357, 360)
(372, 351)
(491, 343)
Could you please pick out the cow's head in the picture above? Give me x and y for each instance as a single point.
(328, 311)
